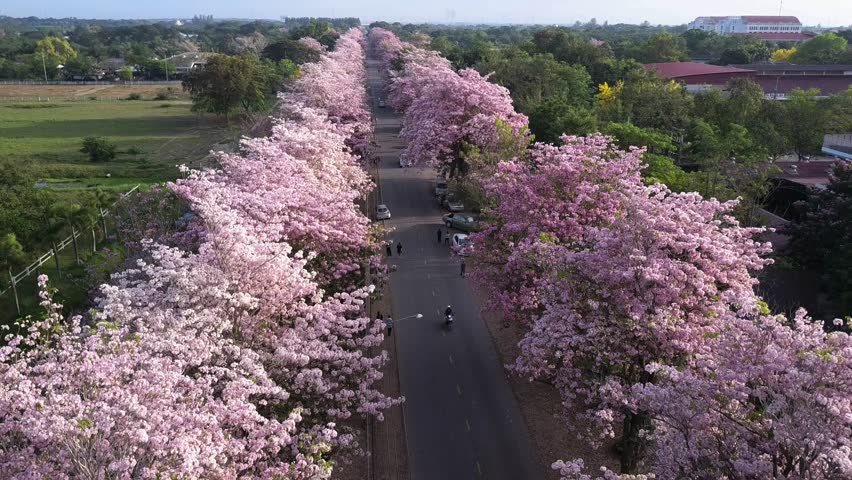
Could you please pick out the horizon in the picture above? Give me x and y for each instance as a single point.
(819, 13)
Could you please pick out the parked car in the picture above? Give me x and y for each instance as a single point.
(382, 212)
(381, 104)
(462, 221)
(440, 186)
(452, 203)
(460, 244)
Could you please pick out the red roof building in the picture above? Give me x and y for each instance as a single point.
(777, 79)
(698, 75)
(767, 27)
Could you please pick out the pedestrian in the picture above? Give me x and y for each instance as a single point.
(462, 267)
(447, 237)
(390, 253)
(389, 324)
(399, 248)
(379, 316)
(440, 234)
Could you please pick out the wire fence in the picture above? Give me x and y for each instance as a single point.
(85, 245)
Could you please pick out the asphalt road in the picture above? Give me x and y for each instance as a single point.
(461, 418)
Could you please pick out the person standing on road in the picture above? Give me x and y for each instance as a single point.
(462, 267)
(388, 249)
(447, 237)
(399, 248)
(440, 234)
(379, 316)
(389, 325)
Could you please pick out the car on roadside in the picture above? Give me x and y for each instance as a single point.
(440, 186)
(381, 104)
(461, 221)
(382, 212)
(460, 243)
(452, 203)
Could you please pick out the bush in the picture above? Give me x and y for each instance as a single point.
(98, 149)
(166, 94)
(133, 151)
(134, 96)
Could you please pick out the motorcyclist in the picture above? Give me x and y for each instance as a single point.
(448, 313)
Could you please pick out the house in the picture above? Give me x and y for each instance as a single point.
(777, 79)
(765, 27)
(185, 62)
(838, 145)
(698, 77)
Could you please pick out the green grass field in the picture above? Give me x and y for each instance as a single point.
(163, 134)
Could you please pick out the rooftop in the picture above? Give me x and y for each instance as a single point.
(771, 19)
(689, 69)
(792, 67)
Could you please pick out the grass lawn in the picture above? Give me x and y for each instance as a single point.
(162, 134)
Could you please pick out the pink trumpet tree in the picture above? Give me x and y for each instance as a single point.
(238, 358)
(614, 274)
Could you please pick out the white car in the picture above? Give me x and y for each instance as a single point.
(381, 104)
(461, 244)
(382, 212)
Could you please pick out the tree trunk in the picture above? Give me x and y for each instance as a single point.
(631, 446)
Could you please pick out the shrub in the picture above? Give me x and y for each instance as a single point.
(168, 93)
(99, 149)
(134, 96)
(133, 151)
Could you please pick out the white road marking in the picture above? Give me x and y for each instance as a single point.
(451, 360)
(467, 424)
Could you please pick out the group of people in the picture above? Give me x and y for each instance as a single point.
(398, 248)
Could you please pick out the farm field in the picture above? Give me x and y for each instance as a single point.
(152, 137)
(83, 92)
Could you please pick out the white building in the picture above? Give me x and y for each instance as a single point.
(748, 24)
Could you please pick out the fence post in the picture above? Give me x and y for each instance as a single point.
(94, 240)
(74, 239)
(15, 292)
(56, 258)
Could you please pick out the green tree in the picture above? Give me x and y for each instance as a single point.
(292, 50)
(319, 30)
(532, 78)
(125, 73)
(12, 255)
(556, 116)
(98, 149)
(22, 205)
(55, 47)
(825, 48)
(821, 239)
(228, 83)
(663, 47)
(804, 121)
(651, 102)
(79, 66)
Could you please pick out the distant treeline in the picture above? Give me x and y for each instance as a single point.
(343, 23)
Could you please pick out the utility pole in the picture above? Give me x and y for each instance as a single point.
(44, 66)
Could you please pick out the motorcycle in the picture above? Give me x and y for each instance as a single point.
(449, 319)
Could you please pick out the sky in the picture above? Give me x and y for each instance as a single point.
(668, 12)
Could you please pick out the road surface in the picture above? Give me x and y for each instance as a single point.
(461, 418)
